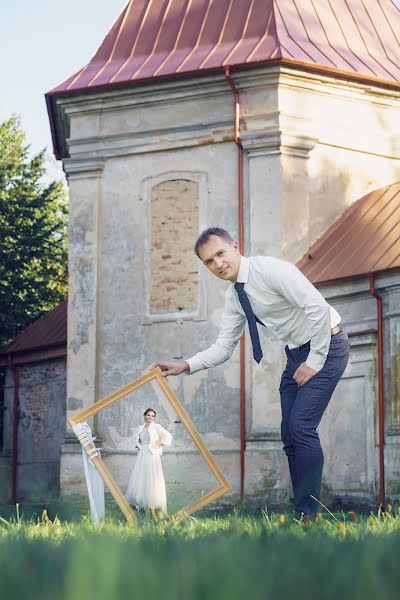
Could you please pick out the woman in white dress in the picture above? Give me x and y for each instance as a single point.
(146, 486)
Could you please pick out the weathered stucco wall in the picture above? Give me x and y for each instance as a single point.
(307, 157)
(351, 428)
(41, 429)
(6, 452)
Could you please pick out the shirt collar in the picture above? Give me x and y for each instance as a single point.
(243, 275)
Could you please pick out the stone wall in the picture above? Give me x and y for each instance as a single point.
(41, 429)
(351, 427)
(6, 452)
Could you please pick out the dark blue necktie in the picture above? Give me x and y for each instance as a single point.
(251, 320)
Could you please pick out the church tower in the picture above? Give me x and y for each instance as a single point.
(266, 117)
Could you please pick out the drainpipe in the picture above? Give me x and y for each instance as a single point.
(15, 436)
(381, 398)
(236, 108)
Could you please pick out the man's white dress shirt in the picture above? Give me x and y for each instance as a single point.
(286, 302)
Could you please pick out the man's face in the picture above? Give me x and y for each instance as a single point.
(221, 258)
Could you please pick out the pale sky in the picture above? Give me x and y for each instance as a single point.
(43, 42)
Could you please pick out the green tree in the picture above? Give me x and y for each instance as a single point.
(33, 235)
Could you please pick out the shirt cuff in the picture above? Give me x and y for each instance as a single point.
(194, 365)
(315, 361)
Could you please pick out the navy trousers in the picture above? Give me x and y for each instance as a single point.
(302, 410)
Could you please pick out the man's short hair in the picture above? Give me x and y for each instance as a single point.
(205, 236)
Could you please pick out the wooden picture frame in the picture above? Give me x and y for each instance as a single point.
(154, 376)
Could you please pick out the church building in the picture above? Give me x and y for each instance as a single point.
(278, 120)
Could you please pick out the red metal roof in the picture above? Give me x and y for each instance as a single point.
(365, 239)
(49, 331)
(154, 38)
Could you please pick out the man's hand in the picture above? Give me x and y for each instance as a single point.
(172, 368)
(303, 374)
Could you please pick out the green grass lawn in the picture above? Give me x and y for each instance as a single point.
(228, 557)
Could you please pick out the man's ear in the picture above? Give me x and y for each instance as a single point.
(236, 245)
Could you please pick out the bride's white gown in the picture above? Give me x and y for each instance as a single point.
(146, 486)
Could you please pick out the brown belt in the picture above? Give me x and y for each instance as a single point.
(336, 330)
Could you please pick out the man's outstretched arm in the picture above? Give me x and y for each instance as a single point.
(232, 325)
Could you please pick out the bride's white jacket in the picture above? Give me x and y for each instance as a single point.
(157, 434)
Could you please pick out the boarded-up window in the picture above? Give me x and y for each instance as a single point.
(174, 229)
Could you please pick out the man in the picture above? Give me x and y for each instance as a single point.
(277, 295)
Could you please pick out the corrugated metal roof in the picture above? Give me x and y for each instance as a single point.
(154, 38)
(365, 239)
(50, 330)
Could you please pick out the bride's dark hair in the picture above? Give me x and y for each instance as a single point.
(148, 410)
